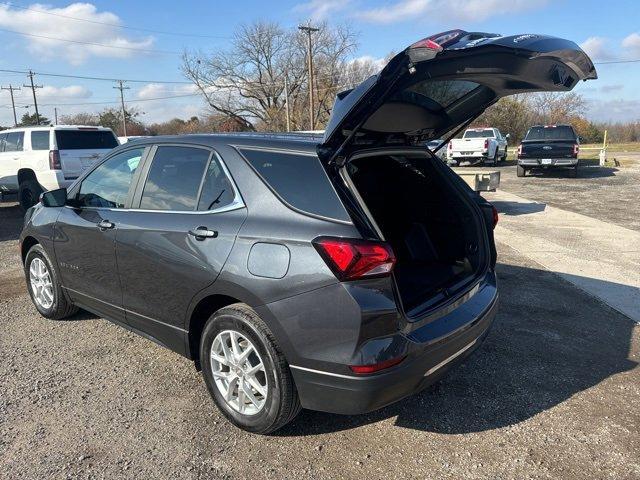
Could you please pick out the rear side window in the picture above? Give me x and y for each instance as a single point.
(299, 180)
(85, 139)
(13, 142)
(3, 137)
(551, 133)
(217, 190)
(174, 179)
(40, 140)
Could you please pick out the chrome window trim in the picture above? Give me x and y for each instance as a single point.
(236, 204)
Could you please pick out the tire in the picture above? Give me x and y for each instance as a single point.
(494, 160)
(520, 171)
(506, 154)
(60, 306)
(29, 194)
(573, 172)
(280, 405)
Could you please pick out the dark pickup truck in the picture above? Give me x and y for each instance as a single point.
(549, 146)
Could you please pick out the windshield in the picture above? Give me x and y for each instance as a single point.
(551, 133)
(85, 139)
(478, 134)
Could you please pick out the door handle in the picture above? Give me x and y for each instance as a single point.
(203, 232)
(106, 225)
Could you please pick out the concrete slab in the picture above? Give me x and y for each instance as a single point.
(600, 258)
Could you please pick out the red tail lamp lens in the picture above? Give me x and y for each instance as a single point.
(350, 259)
(376, 367)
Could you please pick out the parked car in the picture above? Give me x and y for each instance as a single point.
(548, 147)
(36, 159)
(340, 275)
(438, 149)
(484, 145)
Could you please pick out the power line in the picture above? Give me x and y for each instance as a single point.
(78, 42)
(149, 30)
(617, 61)
(105, 79)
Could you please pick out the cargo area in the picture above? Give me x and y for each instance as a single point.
(432, 229)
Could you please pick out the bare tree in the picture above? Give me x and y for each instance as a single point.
(246, 83)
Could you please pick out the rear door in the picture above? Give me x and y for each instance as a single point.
(81, 148)
(445, 81)
(185, 217)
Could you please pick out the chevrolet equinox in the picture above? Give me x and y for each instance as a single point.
(338, 273)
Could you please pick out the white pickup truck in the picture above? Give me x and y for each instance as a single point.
(478, 145)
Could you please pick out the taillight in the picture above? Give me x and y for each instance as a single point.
(422, 50)
(376, 367)
(495, 216)
(486, 144)
(54, 160)
(576, 149)
(519, 149)
(350, 259)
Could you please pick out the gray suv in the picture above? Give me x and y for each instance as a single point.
(340, 273)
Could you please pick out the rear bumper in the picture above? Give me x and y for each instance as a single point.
(429, 359)
(548, 162)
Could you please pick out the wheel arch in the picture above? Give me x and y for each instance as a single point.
(26, 245)
(26, 174)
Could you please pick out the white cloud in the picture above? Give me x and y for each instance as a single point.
(36, 22)
(632, 44)
(459, 10)
(156, 90)
(597, 48)
(378, 63)
(322, 9)
(49, 93)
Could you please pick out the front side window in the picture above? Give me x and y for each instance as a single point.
(174, 179)
(108, 185)
(40, 140)
(13, 142)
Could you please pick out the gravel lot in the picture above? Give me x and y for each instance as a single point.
(554, 392)
(606, 193)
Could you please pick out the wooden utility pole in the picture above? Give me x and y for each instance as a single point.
(286, 102)
(121, 87)
(11, 89)
(308, 29)
(55, 114)
(33, 90)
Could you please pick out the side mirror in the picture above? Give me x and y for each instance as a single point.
(54, 198)
(507, 136)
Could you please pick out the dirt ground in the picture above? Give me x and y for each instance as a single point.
(606, 193)
(553, 393)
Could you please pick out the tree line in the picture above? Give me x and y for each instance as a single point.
(261, 83)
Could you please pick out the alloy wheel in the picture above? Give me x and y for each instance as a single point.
(41, 284)
(239, 372)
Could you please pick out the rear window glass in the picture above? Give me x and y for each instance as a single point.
(299, 180)
(85, 139)
(551, 133)
(443, 92)
(478, 134)
(40, 140)
(174, 178)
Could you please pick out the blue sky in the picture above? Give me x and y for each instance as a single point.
(609, 31)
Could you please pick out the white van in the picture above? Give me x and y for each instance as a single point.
(37, 159)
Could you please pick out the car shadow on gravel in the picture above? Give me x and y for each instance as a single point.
(518, 208)
(549, 342)
(11, 220)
